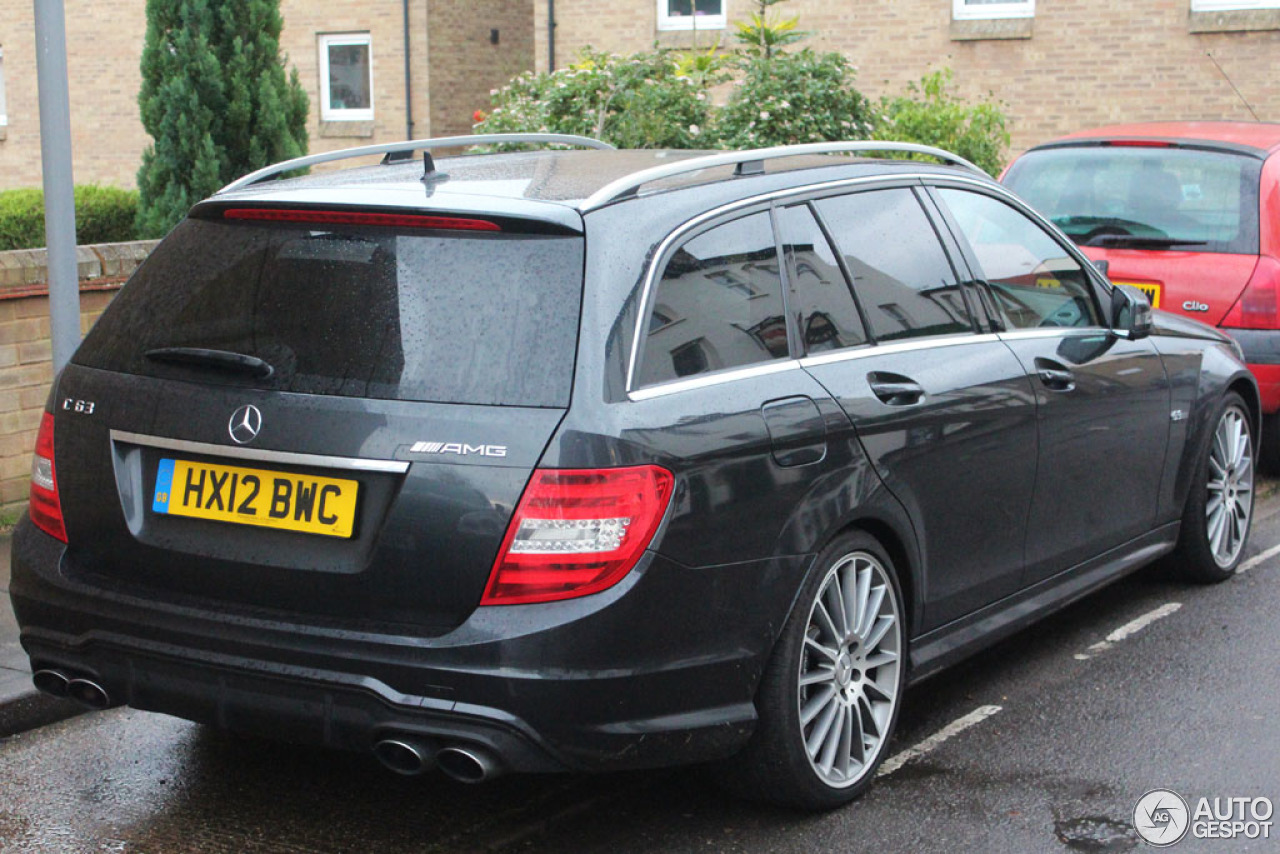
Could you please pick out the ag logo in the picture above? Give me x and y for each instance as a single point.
(245, 424)
(1194, 305)
(1161, 817)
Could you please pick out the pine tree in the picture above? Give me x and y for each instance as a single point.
(215, 100)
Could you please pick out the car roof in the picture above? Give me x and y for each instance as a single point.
(547, 184)
(1262, 137)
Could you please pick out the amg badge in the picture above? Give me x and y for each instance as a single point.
(460, 448)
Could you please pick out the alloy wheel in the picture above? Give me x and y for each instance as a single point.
(850, 667)
(1230, 487)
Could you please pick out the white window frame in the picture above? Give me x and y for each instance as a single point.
(4, 119)
(1232, 5)
(960, 11)
(327, 113)
(685, 22)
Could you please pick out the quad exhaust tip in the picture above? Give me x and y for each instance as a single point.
(404, 755)
(88, 693)
(53, 682)
(467, 764)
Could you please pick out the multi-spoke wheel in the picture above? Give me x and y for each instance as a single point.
(1219, 508)
(829, 700)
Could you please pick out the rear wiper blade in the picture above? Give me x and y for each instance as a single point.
(1139, 240)
(225, 360)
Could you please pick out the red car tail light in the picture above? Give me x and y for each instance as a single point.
(45, 508)
(1257, 306)
(450, 223)
(577, 532)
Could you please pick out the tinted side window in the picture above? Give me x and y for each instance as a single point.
(902, 277)
(718, 304)
(1032, 278)
(826, 313)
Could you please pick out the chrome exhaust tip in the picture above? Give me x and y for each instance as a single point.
(88, 693)
(468, 764)
(53, 682)
(407, 756)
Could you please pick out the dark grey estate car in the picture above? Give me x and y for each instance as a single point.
(586, 460)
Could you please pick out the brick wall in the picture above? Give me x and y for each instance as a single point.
(464, 62)
(1077, 63)
(26, 369)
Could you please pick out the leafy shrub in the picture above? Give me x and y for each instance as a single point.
(931, 115)
(647, 100)
(103, 215)
(793, 98)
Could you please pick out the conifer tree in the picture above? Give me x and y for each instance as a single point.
(215, 100)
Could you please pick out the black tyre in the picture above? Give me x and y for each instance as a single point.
(1219, 510)
(828, 701)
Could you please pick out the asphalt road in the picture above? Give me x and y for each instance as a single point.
(1043, 743)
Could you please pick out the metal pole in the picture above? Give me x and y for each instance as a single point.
(551, 35)
(59, 196)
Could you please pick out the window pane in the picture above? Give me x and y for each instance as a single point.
(349, 77)
(1031, 276)
(362, 312)
(1175, 199)
(718, 304)
(902, 277)
(826, 313)
(690, 7)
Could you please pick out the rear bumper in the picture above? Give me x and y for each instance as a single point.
(1262, 354)
(659, 670)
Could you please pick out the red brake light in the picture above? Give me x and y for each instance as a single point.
(45, 508)
(1257, 306)
(1140, 143)
(577, 532)
(360, 218)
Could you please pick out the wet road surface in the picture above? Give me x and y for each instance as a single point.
(1043, 743)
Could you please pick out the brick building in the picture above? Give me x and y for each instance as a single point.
(1058, 64)
(350, 56)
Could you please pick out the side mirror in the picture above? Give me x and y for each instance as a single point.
(1130, 312)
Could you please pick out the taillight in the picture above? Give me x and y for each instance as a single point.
(451, 223)
(45, 508)
(1257, 306)
(576, 532)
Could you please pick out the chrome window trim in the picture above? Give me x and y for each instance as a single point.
(660, 257)
(777, 366)
(1055, 332)
(909, 346)
(260, 454)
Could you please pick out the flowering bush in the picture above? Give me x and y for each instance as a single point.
(931, 115)
(795, 97)
(647, 100)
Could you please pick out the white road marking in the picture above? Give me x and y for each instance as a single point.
(978, 715)
(1130, 628)
(1257, 559)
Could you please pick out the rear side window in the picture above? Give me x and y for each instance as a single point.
(1145, 197)
(355, 311)
(826, 313)
(718, 304)
(901, 276)
(1030, 275)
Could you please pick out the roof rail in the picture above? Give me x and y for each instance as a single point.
(751, 162)
(410, 146)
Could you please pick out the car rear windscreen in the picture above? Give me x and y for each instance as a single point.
(456, 317)
(1145, 197)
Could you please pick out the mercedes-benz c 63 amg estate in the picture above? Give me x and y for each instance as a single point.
(594, 459)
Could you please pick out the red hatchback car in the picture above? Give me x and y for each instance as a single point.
(1187, 211)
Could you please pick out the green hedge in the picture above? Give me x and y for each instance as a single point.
(103, 215)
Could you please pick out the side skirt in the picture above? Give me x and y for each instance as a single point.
(946, 645)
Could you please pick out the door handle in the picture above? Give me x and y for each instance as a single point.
(895, 390)
(1055, 377)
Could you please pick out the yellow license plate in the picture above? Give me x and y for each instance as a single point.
(1152, 291)
(270, 499)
